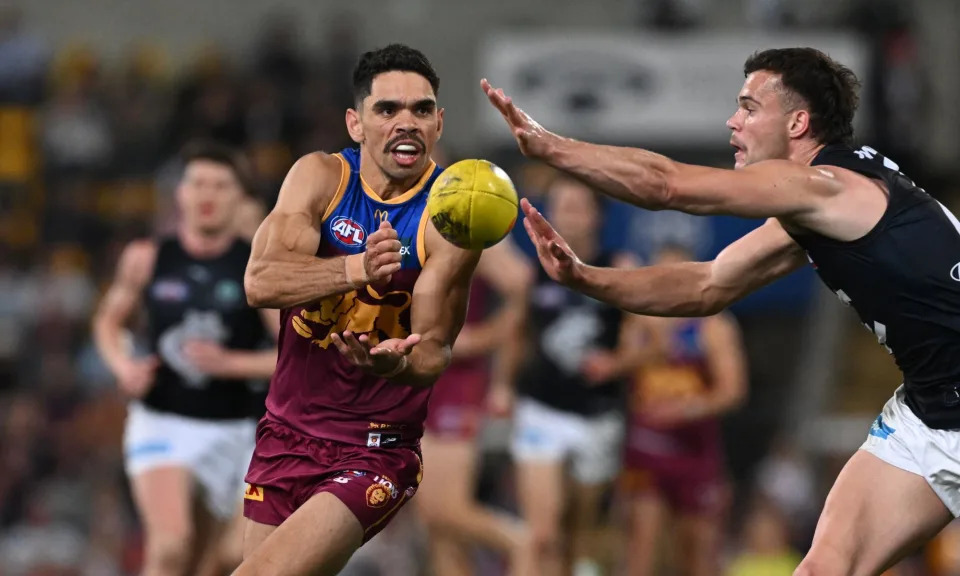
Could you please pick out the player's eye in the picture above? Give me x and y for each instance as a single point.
(424, 110)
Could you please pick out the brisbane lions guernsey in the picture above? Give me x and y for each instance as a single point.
(315, 390)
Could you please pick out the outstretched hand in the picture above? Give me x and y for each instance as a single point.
(534, 139)
(385, 359)
(556, 257)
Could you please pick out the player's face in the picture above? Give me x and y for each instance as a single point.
(760, 124)
(399, 124)
(208, 196)
(573, 210)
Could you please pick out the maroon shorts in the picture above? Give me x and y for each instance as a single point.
(288, 468)
(457, 404)
(689, 485)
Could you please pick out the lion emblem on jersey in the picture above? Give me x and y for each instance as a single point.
(377, 496)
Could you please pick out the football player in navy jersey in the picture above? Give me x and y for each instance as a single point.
(881, 243)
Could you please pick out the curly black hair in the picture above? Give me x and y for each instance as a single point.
(395, 57)
(811, 78)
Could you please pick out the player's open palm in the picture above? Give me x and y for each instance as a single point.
(556, 257)
(381, 259)
(384, 359)
(533, 138)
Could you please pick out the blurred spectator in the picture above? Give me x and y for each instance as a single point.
(23, 60)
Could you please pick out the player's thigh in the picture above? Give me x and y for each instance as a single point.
(875, 514)
(164, 498)
(316, 540)
(541, 495)
(254, 533)
(449, 476)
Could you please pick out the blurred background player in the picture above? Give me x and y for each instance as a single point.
(694, 371)
(189, 431)
(372, 299)
(568, 422)
(479, 380)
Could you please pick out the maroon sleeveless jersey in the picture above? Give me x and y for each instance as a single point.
(315, 390)
(692, 448)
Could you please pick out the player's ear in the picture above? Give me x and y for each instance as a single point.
(354, 126)
(439, 123)
(798, 123)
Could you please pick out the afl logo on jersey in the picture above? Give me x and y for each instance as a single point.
(348, 232)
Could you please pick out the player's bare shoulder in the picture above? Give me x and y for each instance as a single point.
(312, 183)
(136, 262)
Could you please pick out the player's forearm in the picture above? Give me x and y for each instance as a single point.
(109, 338)
(633, 175)
(664, 290)
(253, 364)
(292, 279)
(424, 365)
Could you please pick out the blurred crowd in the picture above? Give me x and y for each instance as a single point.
(88, 161)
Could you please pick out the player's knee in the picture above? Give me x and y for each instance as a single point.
(169, 554)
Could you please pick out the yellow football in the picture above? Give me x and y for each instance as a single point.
(473, 204)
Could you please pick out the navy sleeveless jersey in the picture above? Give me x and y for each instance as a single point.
(317, 391)
(903, 279)
(200, 299)
(563, 327)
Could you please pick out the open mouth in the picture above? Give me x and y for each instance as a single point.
(406, 153)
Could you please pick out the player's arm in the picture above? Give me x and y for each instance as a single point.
(438, 309)
(773, 188)
(509, 274)
(216, 360)
(696, 288)
(283, 269)
(122, 299)
(727, 364)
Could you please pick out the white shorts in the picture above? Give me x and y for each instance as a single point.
(217, 452)
(899, 438)
(591, 443)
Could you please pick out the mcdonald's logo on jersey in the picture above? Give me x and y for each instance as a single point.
(381, 216)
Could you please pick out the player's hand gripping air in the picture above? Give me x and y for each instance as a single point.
(386, 359)
(558, 260)
(531, 136)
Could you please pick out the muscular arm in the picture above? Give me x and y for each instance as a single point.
(726, 361)
(438, 309)
(509, 274)
(122, 299)
(643, 178)
(283, 270)
(698, 288)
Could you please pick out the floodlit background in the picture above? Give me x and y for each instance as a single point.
(97, 97)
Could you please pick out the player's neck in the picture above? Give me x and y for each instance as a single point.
(804, 152)
(382, 185)
(200, 245)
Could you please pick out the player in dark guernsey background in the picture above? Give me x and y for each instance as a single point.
(885, 246)
(569, 421)
(693, 371)
(478, 383)
(372, 299)
(189, 430)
